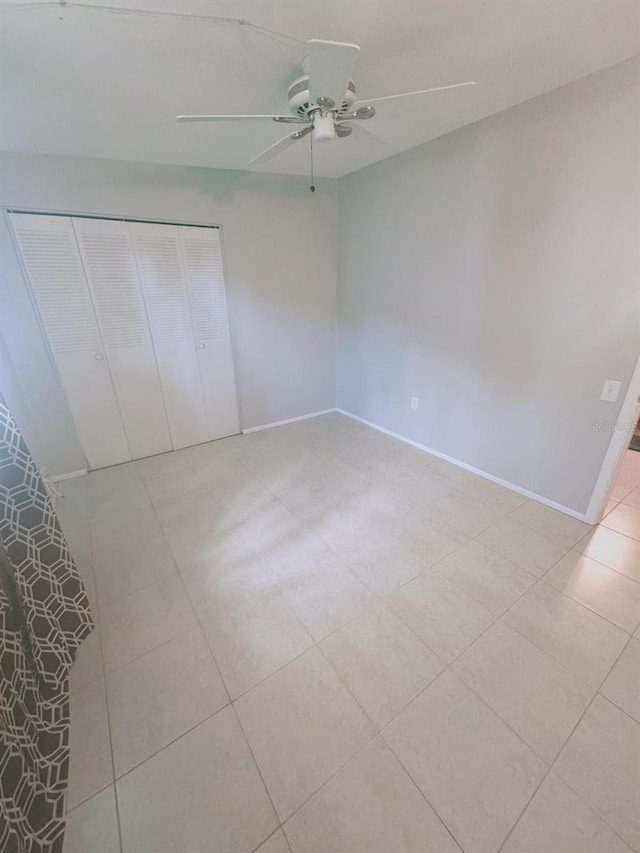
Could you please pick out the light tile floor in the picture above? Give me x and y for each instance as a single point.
(318, 639)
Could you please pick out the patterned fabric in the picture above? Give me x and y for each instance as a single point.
(44, 615)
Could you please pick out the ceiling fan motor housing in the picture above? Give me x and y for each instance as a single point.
(301, 105)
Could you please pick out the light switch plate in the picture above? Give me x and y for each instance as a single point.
(610, 391)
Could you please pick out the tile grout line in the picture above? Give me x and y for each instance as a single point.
(106, 696)
(421, 792)
(610, 701)
(559, 753)
(604, 565)
(113, 765)
(548, 653)
(171, 742)
(608, 698)
(280, 829)
(259, 771)
(376, 727)
(586, 606)
(342, 766)
(98, 629)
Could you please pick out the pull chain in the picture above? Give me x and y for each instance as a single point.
(312, 187)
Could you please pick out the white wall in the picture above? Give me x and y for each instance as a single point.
(13, 393)
(494, 273)
(280, 253)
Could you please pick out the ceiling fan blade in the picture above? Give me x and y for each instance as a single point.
(281, 145)
(231, 118)
(331, 65)
(359, 130)
(418, 92)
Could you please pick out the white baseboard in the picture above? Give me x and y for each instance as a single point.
(58, 478)
(525, 492)
(288, 421)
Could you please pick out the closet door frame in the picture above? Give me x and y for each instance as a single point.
(83, 214)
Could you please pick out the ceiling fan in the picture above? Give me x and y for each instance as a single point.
(323, 100)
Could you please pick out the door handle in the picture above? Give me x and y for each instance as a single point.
(98, 356)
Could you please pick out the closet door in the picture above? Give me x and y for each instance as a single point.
(161, 271)
(202, 256)
(110, 267)
(52, 262)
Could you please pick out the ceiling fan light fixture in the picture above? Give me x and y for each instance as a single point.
(323, 127)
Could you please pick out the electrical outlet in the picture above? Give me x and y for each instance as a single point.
(610, 391)
(414, 402)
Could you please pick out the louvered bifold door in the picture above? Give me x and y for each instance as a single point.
(54, 268)
(160, 265)
(202, 256)
(110, 267)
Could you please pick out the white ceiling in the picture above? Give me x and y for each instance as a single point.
(87, 82)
